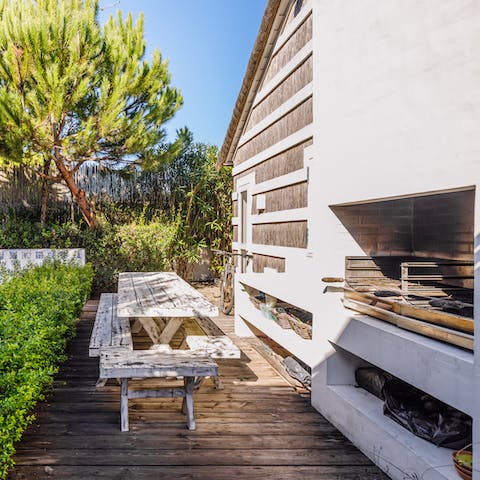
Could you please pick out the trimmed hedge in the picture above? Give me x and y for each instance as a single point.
(38, 312)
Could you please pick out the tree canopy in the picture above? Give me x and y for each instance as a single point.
(72, 92)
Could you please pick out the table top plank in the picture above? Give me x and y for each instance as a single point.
(160, 294)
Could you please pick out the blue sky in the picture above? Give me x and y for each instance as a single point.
(208, 44)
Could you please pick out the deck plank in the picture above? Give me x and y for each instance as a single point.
(257, 427)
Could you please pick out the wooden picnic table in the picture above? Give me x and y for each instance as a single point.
(159, 301)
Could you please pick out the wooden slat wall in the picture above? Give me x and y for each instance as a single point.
(293, 121)
(294, 11)
(301, 77)
(285, 234)
(298, 40)
(260, 262)
(299, 114)
(286, 162)
(293, 196)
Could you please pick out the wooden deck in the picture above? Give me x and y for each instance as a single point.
(258, 427)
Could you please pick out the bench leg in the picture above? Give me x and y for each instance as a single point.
(187, 407)
(101, 382)
(217, 383)
(124, 405)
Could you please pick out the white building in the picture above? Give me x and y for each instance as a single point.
(357, 133)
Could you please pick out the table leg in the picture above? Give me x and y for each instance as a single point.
(124, 405)
(137, 326)
(161, 330)
(189, 383)
(152, 329)
(171, 328)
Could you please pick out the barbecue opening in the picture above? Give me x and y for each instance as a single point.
(418, 270)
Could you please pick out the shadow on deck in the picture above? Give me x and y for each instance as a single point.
(258, 427)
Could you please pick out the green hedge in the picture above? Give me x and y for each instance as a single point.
(139, 245)
(38, 311)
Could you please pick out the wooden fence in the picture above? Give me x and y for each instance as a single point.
(18, 191)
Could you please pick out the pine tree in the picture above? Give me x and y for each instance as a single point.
(72, 92)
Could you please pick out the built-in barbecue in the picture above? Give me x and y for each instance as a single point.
(418, 273)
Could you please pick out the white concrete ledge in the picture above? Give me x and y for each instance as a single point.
(270, 250)
(279, 285)
(292, 215)
(288, 142)
(395, 450)
(300, 347)
(293, 178)
(444, 371)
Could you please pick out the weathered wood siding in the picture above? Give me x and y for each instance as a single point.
(296, 42)
(287, 198)
(293, 121)
(294, 11)
(273, 142)
(260, 262)
(301, 77)
(285, 234)
(286, 162)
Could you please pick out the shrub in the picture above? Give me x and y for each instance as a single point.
(146, 246)
(152, 243)
(38, 310)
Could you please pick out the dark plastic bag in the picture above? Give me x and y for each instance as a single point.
(425, 416)
(372, 379)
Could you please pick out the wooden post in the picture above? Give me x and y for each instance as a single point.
(124, 405)
(189, 383)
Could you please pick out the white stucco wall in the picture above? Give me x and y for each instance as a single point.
(396, 112)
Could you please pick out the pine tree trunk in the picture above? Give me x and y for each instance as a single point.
(78, 194)
(45, 192)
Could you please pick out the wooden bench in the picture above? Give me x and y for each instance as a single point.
(125, 365)
(109, 330)
(213, 346)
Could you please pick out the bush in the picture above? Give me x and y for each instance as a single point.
(145, 243)
(146, 246)
(38, 310)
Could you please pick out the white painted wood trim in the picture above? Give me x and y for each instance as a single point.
(292, 103)
(286, 71)
(235, 221)
(234, 196)
(269, 250)
(292, 215)
(295, 138)
(297, 176)
(292, 27)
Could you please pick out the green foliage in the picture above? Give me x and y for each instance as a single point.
(199, 198)
(71, 92)
(141, 244)
(193, 212)
(38, 310)
(147, 246)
